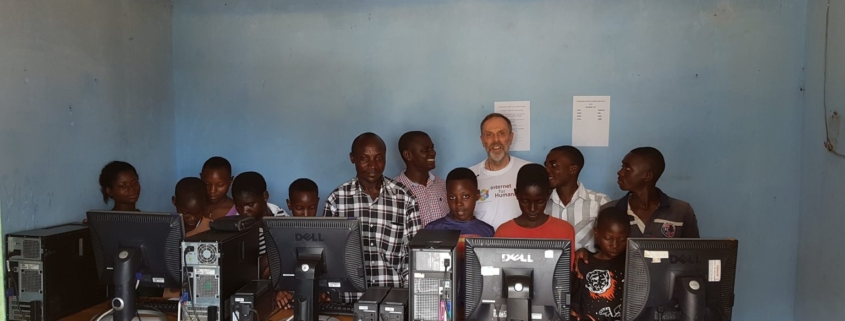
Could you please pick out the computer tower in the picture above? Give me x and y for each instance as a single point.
(367, 307)
(217, 265)
(51, 273)
(394, 306)
(433, 277)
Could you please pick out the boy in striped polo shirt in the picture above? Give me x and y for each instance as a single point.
(571, 201)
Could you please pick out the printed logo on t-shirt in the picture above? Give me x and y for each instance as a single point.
(601, 284)
(484, 194)
(668, 229)
(605, 312)
(497, 191)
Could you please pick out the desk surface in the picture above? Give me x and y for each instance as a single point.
(87, 314)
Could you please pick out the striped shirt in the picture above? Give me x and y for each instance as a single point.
(387, 225)
(431, 197)
(581, 212)
(276, 211)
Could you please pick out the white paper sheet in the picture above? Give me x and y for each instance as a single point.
(519, 112)
(590, 120)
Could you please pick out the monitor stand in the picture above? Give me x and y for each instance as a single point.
(308, 270)
(519, 283)
(689, 291)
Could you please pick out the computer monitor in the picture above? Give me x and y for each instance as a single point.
(517, 279)
(679, 279)
(134, 249)
(310, 255)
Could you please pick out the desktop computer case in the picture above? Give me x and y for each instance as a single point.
(431, 282)
(52, 273)
(217, 264)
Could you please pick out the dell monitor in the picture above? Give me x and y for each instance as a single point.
(133, 249)
(311, 255)
(517, 279)
(679, 279)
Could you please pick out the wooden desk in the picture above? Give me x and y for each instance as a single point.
(87, 314)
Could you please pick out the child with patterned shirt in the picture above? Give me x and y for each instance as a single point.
(598, 296)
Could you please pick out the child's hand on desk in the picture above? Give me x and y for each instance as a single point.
(170, 293)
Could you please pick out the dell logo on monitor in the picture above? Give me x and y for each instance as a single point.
(506, 257)
(309, 237)
(684, 259)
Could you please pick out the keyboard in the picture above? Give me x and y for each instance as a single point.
(335, 308)
(160, 304)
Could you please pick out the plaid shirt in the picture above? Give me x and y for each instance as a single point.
(387, 225)
(431, 197)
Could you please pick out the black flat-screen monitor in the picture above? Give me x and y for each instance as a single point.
(135, 249)
(311, 255)
(679, 279)
(517, 279)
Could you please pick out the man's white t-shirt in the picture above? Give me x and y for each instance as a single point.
(497, 203)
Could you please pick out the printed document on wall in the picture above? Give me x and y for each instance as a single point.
(590, 120)
(519, 112)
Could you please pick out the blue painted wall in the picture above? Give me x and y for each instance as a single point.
(82, 83)
(282, 87)
(821, 258)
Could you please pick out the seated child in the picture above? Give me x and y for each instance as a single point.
(191, 201)
(598, 296)
(217, 175)
(461, 195)
(249, 191)
(533, 191)
(304, 198)
(119, 182)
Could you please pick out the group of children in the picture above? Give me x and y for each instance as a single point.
(596, 293)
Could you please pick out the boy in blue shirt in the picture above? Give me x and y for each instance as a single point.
(461, 195)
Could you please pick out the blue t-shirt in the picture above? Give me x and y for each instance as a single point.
(474, 228)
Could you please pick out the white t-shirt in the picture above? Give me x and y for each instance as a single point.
(498, 202)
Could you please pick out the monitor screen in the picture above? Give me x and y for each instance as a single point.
(679, 279)
(512, 279)
(157, 237)
(334, 241)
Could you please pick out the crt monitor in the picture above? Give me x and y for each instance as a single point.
(133, 249)
(679, 279)
(517, 279)
(310, 255)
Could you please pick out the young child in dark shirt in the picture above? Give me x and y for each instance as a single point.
(598, 296)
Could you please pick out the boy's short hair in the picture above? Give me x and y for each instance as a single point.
(654, 158)
(249, 183)
(573, 154)
(462, 174)
(190, 188)
(612, 215)
(496, 115)
(302, 185)
(109, 174)
(217, 162)
(532, 175)
(406, 139)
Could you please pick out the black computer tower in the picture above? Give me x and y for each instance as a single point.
(394, 306)
(218, 264)
(433, 277)
(254, 301)
(51, 273)
(367, 307)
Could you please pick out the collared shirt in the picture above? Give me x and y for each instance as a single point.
(431, 197)
(387, 225)
(673, 218)
(581, 212)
